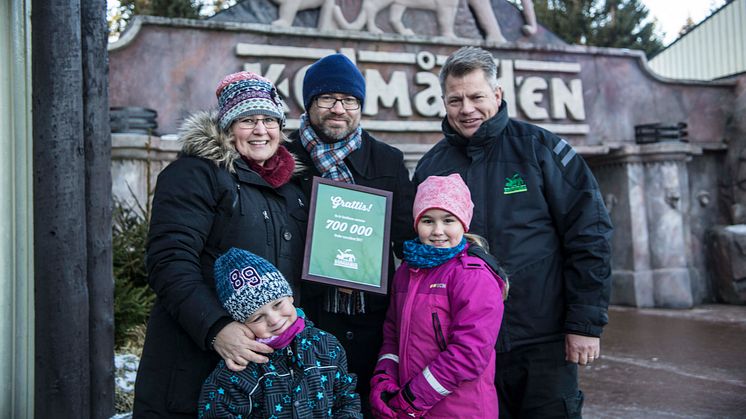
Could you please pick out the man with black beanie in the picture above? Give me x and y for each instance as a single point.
(331, 144)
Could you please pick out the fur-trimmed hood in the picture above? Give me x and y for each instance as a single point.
(201, 136)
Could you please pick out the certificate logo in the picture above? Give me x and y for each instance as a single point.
(345, 259)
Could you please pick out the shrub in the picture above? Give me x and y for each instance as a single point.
(132, 296)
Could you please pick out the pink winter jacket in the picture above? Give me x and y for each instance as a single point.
(442, 326)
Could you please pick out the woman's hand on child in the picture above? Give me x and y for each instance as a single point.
(236, 344)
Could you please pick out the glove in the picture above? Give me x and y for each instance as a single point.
(403, 404)
(382, 389)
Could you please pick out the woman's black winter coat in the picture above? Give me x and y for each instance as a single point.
(205, 202)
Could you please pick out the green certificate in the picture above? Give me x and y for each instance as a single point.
(348, 236)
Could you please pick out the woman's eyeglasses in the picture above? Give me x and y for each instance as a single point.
(250, 123)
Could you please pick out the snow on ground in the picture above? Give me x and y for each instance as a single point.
(125, 371)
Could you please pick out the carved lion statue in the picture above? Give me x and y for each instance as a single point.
(331, 15)
(287, 9)
(445, 10)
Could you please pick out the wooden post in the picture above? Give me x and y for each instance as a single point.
(62, 359)
(97, 141)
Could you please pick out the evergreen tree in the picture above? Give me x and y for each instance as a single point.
(571, 20)
(169, 8)
(688, 25)
(133, 297)
(118, 16)
(603, 23)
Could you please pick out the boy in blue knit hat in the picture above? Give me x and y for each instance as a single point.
(306, 375)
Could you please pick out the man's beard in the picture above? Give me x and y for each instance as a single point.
(330, 135)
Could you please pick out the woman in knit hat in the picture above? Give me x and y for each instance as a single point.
(438, 354)
(230, 187)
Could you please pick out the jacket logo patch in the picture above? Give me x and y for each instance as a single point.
(437, 285)
(514, 184)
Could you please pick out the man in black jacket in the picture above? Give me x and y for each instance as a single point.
(540, 208)
(331, 144)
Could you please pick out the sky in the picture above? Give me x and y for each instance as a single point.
(672, 14)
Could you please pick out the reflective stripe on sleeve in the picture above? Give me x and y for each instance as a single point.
(434, 383)
(392, 357)
(560, 146)
(570, 154)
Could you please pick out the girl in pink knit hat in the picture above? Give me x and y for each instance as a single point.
(438, 353)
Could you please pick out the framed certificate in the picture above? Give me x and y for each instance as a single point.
(348, 236)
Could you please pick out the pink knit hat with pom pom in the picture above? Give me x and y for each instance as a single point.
(448, 193)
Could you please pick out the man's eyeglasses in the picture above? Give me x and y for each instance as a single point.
(328, 102)
(250, 123)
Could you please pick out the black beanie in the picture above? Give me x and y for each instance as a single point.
(333, 74)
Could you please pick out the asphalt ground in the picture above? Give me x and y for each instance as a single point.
(660, 363)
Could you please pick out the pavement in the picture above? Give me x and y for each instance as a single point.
(658, 363)
(661, 363)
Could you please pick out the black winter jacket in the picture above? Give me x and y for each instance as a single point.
(539, 207)
(205, 202)
(376, 165)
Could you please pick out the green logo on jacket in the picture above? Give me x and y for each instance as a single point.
(514, 184)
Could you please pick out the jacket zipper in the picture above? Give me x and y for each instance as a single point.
(238, 196)
(439, 332)
(414, 279)
(267, 225)
(290, 357)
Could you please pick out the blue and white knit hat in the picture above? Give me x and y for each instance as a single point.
(333, 74)
(242, 94)
(245, 282)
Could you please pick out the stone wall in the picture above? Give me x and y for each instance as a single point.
(726, 242)
(136, 161)
(663, 199)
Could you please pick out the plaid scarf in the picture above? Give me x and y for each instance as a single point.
(329, 159)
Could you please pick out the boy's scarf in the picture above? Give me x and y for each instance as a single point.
(418, 255)
(284, 339)
(329, 158)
